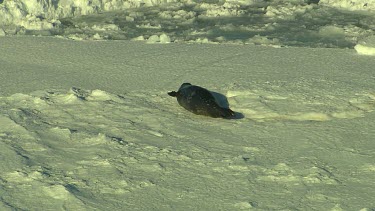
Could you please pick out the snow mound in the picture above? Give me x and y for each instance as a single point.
(263, 106)
(350, 4)
(366, 46)
(44, 14)
(163, 38)
(271, 23)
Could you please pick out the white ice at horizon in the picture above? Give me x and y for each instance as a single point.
(274, 23)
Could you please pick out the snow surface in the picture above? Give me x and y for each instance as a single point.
(86, 122)
(325, 23)
(366, 46)
(89, 126)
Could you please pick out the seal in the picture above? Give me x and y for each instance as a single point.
(200, 101)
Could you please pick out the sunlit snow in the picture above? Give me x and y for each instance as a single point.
(86, 122)
(325, 23)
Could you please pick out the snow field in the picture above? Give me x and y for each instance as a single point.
(265, 106)
(350, 5)
(271, 23)
(118, 140)
(83, 148)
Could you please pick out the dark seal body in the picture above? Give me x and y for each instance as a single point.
(200, 101)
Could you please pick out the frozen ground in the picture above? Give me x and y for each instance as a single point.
(89, 125)
(86, 122)
(312, 23)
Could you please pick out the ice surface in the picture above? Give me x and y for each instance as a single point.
(89, 126)
(86, 122)
(366, 46)
(327, 23)
(350, 4)
(83, 149)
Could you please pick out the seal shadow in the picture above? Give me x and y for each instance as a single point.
(223, 102)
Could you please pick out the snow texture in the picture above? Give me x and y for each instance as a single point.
(83, 149)
(366, 46)
(351, 4)
(86, 122)
(119, 142)
(325, 23)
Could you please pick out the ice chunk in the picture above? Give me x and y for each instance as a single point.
(366, 46)
(165, 38)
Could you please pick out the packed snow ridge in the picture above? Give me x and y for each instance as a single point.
(311, 23)
(42, 14)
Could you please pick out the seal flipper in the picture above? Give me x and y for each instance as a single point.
(216, 111)
(227, 113)
(173, 94)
